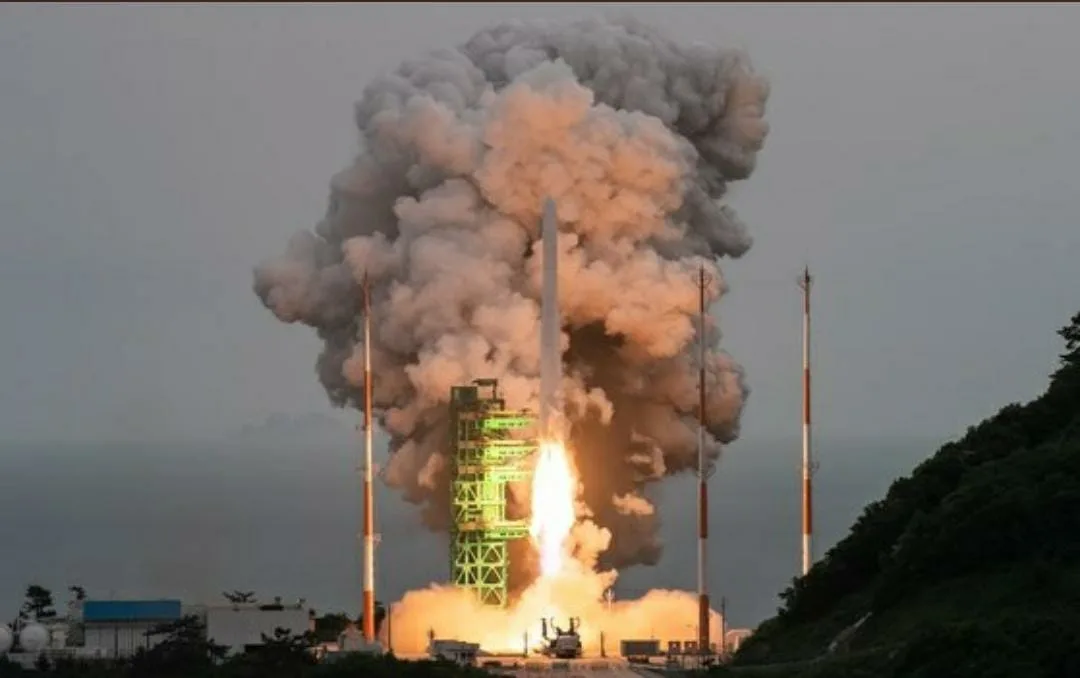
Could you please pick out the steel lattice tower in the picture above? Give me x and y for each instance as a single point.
(485, 456)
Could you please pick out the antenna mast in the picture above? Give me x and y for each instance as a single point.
(807, 460)
(703, 493)
(368, 613)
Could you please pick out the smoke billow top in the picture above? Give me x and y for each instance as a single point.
(636, 138)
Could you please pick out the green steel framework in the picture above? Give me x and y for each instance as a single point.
(485, 456)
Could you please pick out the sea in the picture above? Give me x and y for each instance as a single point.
(193, 520)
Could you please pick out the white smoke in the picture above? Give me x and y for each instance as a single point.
(636, 138)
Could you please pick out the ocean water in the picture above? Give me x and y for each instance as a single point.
(194, 520)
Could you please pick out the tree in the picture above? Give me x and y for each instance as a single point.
(76, 630)
(42, 663)
(281, 655)
(1071, 335)
(380, 615)
(330, 626)
(238, 597)
(184, 651)
(39, 603)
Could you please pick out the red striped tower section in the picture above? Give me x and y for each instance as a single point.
(703, 488)
(368, 613)
(807, 458)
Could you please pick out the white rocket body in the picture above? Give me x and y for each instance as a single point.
(550, 328)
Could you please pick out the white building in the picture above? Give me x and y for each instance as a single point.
(119, 628)
(242, 626)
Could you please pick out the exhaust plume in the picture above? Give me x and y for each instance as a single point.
(635, 138)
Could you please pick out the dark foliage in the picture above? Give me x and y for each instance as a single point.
(282, 656)
(39, 603)
(330, 626)
(858, 559)
(239, 596)
(184, 652)
(1007, 492)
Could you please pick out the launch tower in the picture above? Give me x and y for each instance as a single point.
(487, 452)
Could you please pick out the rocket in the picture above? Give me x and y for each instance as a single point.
(550, 327)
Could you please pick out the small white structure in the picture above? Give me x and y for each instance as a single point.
(33, 638)
(456, 651)
(242, 626)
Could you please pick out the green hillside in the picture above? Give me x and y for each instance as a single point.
(968, 567)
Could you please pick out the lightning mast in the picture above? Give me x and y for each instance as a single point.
(703, 494)
(369, 508)
(807, 460)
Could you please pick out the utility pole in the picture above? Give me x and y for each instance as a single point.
(703, 491)
(807, 458)
(369, 500)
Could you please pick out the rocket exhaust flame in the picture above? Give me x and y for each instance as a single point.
(552, 507)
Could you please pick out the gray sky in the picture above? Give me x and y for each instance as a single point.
(922, 160)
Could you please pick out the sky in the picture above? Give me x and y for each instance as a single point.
(922, 162)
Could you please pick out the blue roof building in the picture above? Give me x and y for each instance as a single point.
(120, 628)
(100, 611)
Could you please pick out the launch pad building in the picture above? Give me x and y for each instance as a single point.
(488, 451)
(490, 447)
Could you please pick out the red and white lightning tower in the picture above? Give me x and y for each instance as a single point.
(807, 459)
(368, 612)
(703, 476)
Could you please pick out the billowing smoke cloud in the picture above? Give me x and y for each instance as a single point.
(636, 138)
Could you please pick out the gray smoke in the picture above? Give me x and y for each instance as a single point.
(636, 138)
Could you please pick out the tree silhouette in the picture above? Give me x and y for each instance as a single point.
(1071, 335)
(239, 597)
(330, 626)
(184, 651)
(39, 603)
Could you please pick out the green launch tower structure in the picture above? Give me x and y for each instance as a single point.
(488, 451)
